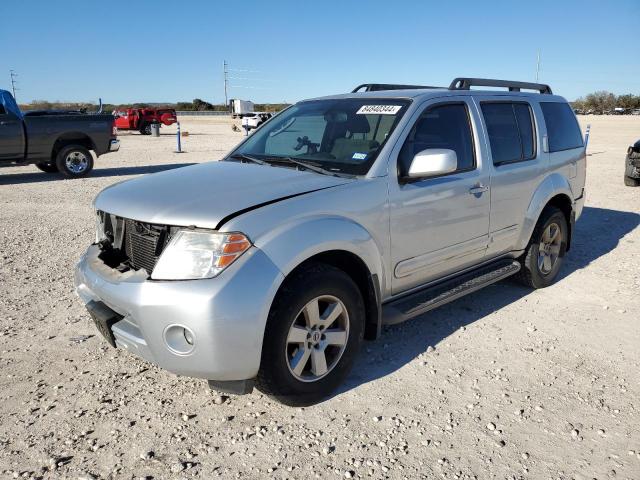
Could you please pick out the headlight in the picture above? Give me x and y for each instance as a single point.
(193, 254)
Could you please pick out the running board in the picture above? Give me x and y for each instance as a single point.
(422, 301)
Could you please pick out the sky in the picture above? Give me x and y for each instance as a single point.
(285, 51)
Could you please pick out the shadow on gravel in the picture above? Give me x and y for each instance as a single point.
(597, 233)
(38, 176)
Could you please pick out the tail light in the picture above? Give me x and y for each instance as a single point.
(114, 129)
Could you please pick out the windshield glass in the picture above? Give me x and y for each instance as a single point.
(343, 135)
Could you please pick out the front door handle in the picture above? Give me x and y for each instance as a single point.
(478, 189)
(7, 123)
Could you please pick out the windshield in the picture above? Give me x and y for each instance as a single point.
(343, 135)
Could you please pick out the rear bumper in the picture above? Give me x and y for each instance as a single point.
(225, 315)
(114, 145)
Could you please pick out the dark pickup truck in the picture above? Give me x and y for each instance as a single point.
(53, 141)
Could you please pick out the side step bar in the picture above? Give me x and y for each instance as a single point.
(437, 295)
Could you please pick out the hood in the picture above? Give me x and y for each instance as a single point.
(204, 195)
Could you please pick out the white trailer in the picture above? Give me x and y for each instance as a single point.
(239, 108)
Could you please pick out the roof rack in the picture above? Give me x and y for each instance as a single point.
(462, 83)
(376, 87)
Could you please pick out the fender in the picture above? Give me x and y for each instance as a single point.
(551, 186)
(309, 236)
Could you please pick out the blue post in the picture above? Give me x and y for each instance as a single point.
(179, 150)
(586, 137)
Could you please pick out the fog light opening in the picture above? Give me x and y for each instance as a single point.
(179, 339)
(188, 336)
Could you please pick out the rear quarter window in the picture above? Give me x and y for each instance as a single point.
(563, 130)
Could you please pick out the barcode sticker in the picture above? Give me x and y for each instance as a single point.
(379, 109)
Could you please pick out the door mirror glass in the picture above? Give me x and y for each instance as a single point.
(432, 163)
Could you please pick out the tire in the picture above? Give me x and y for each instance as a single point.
(629, 179)
(48, 167)
(288, 336)
(536, 275)
(145, 129)
(74, 161)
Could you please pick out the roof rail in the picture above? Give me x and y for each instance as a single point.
(376, 87)
(462, 83)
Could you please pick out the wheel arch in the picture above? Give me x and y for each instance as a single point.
(335, 241)
(71, 138)
(555, 191)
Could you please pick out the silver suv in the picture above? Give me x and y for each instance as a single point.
(337, 216)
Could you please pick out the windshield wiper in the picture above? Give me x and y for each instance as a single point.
(312, 166)
(242, 156)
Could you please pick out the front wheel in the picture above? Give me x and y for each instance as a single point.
(48, 167)
(74, 161)
(145, 129)
(542, 260)
(313, 333)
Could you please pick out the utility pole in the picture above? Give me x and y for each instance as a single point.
(13, 82)
(538, 68)
(226, 81)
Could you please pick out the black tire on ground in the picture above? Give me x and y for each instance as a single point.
(629, 179)
(631, 182)
(532, 274)
(48, 167)
(145, 129)
(74, 161)
(275, 377)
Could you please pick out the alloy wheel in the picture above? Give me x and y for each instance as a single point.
(76, 162)
(549, 248)
(317, 338)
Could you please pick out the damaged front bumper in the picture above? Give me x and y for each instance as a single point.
(210, 328)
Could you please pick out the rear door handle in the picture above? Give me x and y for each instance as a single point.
(478, 189)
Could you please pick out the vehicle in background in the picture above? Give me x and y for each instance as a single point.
(632, 166)
(141, 119)
(338, 216)
(54, 142)
(254, 119)
(240, 108)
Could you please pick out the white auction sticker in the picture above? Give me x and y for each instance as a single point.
(379, 109)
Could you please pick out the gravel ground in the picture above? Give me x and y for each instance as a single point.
(505, 383)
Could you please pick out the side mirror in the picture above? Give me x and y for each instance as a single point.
(433, 162)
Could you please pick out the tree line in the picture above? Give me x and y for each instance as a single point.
(196, 105)
(606, 102)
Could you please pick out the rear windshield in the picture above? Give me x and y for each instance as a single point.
(341, 135)
(562, 126)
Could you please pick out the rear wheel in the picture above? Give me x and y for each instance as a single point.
(74, 161)
(542, 260)
(313, 334)
(49, 167)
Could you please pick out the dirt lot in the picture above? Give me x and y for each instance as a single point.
(518, 384)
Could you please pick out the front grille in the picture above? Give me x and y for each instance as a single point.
(142, 242)
(141, 245)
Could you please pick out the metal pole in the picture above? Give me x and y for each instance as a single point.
(179, 150)
(586, 137)
(224, 70)
(13, 83)
(538, 68)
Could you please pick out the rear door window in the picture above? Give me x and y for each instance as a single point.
(563, 130)
(2, 110)
(510, 130)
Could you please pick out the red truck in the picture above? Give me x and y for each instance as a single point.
(141, 119)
